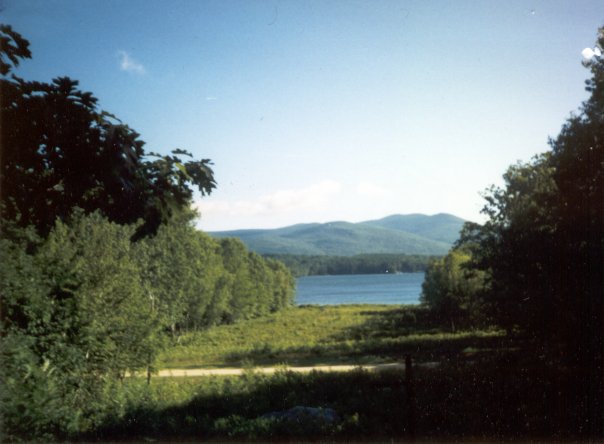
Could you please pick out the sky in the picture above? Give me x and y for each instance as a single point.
(315, 111)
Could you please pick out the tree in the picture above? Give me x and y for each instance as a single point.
(13, 47)
(28, 394)
(543, 244)
(180, 267)
(75, 320)
(543, 249)
(250, 286)
(81, 303)
(59, 151)
(454, 292)
(238, 288)
(282, 285)
(578, 163)
(516, 248)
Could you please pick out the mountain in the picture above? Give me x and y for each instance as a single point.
(409, 234)
(441, 227)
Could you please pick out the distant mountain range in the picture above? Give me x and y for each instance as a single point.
(408, 234)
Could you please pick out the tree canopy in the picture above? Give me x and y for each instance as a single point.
(542, 248)
(13, 48)
(100, 257)
(60, 151)
(453, 291)
(543, 243)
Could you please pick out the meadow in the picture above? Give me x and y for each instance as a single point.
(481, 386)
(326, 335)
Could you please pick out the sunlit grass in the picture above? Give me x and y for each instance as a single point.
(314, 335)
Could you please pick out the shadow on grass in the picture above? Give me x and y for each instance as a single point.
(366, 404)
(423, 348)
(386, 336)
(501, 396)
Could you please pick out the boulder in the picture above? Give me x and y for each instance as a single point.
(302, 414)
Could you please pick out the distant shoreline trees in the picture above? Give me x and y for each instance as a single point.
(307, 265)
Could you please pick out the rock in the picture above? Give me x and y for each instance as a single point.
(301, 414)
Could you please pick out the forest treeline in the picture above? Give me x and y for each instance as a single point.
(102, 266)
(305, 265)
(536, 267)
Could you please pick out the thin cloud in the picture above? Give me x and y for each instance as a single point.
(312, 197)
(371, 190)
(128, 64)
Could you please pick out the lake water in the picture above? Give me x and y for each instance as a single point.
(403, 288)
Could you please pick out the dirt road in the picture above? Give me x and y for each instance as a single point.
(269, 370)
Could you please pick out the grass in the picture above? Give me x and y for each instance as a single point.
(324, 335)
(497, 396)
(233, 407)
(485, 387)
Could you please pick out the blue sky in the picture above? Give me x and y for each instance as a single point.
(315, 111)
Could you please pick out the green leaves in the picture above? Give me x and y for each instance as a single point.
(61, 151)
(78, 318)
(453, 291)
(82, 304)
(196, 281)
(543, 244)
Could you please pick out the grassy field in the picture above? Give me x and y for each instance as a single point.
(325, 335)
(484, 386)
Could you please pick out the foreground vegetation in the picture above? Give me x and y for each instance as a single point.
(481, 385)
(497, 398)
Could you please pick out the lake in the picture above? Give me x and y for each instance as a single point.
(402, 288)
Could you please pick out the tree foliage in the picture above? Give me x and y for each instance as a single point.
(454, 291)
(86, 305)
(99, 257)
(13, 48)
(75, 318)
(60, 151)
(544, 241)
(195, 281)
(542, 248)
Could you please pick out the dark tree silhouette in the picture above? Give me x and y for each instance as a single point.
(59, 151)
(543, 249)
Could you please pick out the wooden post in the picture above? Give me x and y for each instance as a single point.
(410, 398)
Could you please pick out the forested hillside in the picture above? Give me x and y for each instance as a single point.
(440, 227)
(415, 234)
(101, 264)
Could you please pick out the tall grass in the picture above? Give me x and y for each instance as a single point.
(352, 334)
